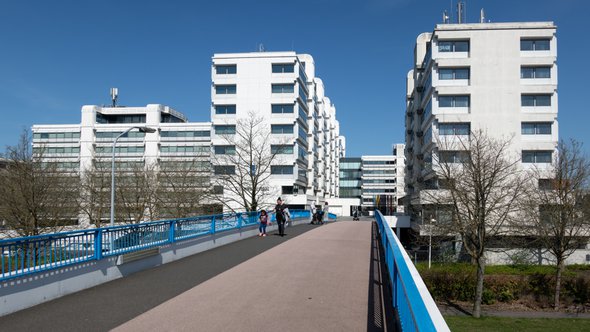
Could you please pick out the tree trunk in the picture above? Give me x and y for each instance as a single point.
(479, 287)
(560, 266)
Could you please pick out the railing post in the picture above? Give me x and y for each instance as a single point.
(213, 225)
(98, 244)
(171, 235)
(239, 220)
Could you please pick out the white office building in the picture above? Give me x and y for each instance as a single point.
(497, 77)
(77, 146)
(282, 90)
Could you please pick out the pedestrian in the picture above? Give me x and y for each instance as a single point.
(263, 222)
(326, 211)
(280, 216)
(312, 212)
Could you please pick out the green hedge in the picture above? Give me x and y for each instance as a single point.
(502, 283)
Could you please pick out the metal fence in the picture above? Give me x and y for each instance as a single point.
(27, 255)
(416, 309)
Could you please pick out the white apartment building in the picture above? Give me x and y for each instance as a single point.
(497, 77)
(282, 90)
(78, 146)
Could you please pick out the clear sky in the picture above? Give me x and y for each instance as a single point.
(56, 56)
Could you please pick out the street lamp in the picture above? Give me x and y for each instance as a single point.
(141, 129)
(432, 221)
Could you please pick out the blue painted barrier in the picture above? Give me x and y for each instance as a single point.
(416, 309)
(27, 255)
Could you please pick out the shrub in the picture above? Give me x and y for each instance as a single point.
(578, 289)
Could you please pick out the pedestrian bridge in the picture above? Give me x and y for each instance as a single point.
(341, 276)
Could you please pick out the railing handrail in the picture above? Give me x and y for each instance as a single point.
(424, 314)
(27, 255)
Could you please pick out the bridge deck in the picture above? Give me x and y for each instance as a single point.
(316, 278)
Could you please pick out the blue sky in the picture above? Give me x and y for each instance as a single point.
(56, 56)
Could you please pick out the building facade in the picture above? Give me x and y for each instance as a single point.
(88, 145)
(500, 78)
(281, 90)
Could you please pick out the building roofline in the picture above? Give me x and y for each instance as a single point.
(495, 26)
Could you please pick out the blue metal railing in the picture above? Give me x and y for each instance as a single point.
(27, 255)
(416, 309)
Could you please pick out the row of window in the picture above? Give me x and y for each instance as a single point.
(275, 169)
(276, 68)
(56, 150)
(528, 72)
(197, 133)
(526, 44)
(65, 135)
(231, 89)
(275, 109)
(113, 134)
(528, 156)
(526, 100)
(274, 129)
(527, 128)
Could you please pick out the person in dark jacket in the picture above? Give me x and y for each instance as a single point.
(280, 216)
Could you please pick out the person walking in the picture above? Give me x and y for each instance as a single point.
(312, 213)
(280, 216)
(287, 214)
(263, 222)
(325, 213)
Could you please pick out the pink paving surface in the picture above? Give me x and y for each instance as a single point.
(317, 281)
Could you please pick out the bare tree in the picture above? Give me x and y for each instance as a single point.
(94, 199)
(36, 195)
(558, 206)
(183, 188)
(136, 191)
(480, 187)
(244, 168)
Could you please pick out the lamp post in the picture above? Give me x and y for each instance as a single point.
(432, 220)
(141, 129)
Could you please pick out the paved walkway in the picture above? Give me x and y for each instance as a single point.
(317, 282)
(315, 278)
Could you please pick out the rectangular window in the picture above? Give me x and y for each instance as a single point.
(536, 157)
(536, 128)
(225, 109)
(282, 108)
(535, 72)
(535, 100)
(453, 46)
(225, 129)
(535, 44)
(184, 149)
(453, 73)
(281, 129)
(225, 89)
(453, 101)
(283, 88)
(283, 68)
(453, 156)
(62, 136)
(225, 69)
(224, 169)
(546, 184)
(199, 133)
(281, 169)
(281, 149)
(121, 149)
(453, 128)
(225, 149)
